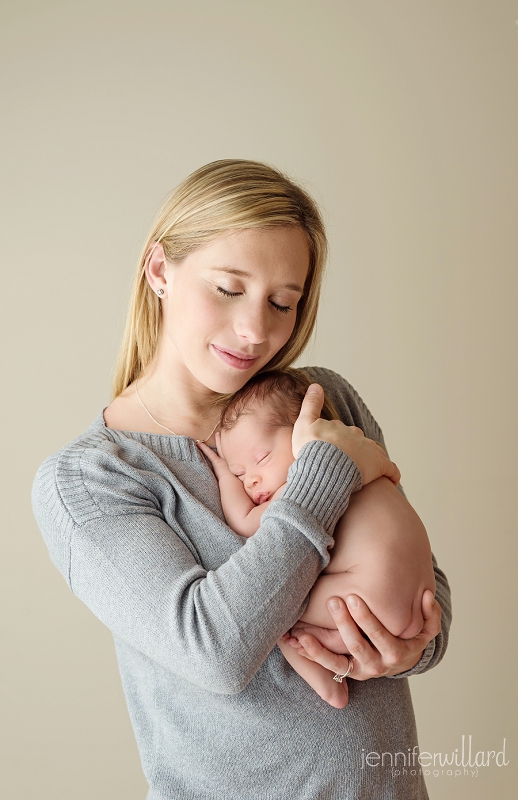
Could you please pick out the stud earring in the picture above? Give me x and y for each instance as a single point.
(160, 292)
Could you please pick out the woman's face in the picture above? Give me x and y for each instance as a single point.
(231, 305)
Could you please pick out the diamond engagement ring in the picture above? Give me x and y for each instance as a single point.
(341, 675)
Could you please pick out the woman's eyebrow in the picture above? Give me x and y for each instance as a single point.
(242, 274)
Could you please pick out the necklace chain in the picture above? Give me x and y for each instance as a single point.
(150, 415)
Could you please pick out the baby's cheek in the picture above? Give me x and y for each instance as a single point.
(281, 478)
(249, 492)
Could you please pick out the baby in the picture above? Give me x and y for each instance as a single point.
(388, 568)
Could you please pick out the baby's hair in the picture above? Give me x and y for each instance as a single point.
(282, 391)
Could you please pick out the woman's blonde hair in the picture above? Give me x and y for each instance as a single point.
(223, 196)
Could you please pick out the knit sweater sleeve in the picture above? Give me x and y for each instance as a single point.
(353, 411)
(104, 522)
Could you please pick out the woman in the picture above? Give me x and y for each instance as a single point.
(228, 285)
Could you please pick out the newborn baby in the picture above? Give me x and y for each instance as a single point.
(388, 568)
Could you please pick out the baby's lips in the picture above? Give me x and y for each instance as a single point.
(261, 497)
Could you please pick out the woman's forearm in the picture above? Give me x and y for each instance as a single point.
(212, 624)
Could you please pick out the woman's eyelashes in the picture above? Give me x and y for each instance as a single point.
(228, 293)
(282, 309)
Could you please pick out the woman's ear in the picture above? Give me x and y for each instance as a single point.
(156, 265)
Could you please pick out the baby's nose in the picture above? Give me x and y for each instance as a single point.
(252, 480)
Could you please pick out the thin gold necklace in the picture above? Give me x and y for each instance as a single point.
(150, 415)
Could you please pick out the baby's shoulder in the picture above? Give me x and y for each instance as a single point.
(350, 407)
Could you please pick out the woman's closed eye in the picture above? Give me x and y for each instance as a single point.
(228, 293)
(277, 306)
(282, 309)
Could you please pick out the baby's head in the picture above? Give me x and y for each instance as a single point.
(256, 429)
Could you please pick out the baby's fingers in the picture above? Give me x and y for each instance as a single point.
(213, 457)
(218, 444)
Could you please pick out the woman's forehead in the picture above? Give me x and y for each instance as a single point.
(278, 252)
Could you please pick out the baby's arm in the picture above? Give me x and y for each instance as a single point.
(241, 513)
(383, 555)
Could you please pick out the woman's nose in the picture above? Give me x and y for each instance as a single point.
(252, 324)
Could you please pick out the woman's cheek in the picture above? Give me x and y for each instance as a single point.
(202, 317)
(286, 331)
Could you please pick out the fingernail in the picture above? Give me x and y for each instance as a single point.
(352, 601)
(334, 605)
(304, 642)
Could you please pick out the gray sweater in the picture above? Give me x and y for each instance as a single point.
(134, 523)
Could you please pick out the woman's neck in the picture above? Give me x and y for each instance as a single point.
(166, 398)
(177, 401)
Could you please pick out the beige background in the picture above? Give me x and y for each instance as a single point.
(401, 117)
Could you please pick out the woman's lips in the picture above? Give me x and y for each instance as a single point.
(234, 358)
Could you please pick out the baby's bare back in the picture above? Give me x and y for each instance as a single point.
(388, 564)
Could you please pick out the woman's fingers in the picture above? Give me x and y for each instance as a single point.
(312, 404)
(385, 654)
(371, 458)
(308, 415)
(432, 616)
(328, 637)
(331, 661)
(379, 655)
(367, 654)
(393, 472)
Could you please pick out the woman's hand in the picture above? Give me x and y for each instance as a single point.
(370, 457)
(328, 637)
(384, 654)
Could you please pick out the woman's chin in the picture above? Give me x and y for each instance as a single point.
(227, 380)
(225, 383)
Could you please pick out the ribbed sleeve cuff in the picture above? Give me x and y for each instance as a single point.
(321, 480)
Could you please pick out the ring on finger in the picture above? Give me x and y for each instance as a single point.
(341, 675)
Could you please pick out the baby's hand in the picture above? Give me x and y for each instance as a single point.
(217, 460)
(328, 637)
